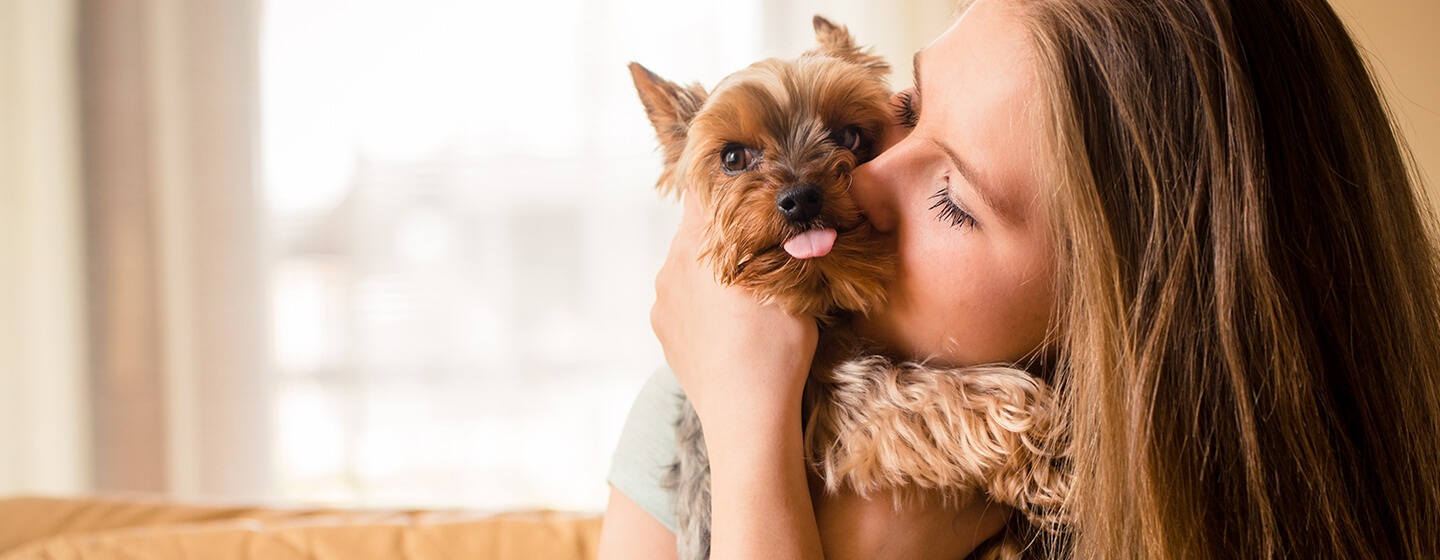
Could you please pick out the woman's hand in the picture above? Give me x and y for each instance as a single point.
(732, 355)
(743, 365)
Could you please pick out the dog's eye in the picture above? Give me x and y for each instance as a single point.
(853, 139)
(735, 158)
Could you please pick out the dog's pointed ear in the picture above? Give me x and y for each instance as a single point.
(671, 108)
(835, 40)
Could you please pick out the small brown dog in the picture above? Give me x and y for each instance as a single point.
(770, 154)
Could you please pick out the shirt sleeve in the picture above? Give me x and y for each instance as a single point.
(647, 447)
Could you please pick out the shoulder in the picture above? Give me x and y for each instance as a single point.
(647, 446)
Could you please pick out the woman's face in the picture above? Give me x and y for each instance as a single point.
(960, 194)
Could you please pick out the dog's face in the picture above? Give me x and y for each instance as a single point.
(770, 153)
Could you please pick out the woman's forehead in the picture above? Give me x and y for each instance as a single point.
(979, 87)
(989, 43)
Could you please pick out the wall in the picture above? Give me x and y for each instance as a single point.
(1401, 43)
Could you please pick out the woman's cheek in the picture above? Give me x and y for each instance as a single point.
(1020, 305)
(979, 307)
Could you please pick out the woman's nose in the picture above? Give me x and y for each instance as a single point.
(875, 184)
(869, 189)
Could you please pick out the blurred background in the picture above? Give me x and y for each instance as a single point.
(376, 252)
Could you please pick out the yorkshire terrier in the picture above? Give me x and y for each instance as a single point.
(770, 153)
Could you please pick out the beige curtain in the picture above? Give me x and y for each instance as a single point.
(173, 250)
(43, 431)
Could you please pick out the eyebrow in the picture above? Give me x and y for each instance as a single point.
(968, 173)
(961, 166)
(915, 69)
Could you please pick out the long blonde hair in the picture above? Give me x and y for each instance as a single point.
(1249, 332)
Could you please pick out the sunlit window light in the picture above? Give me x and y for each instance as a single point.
(463, 236)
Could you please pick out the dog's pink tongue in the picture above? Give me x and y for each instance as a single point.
(813, 243)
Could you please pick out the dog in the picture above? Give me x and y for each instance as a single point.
(770, 153)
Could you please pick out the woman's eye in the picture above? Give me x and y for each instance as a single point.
(907, 111)
(735, 158)
(949, 212)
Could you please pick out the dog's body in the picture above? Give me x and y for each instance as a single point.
(770, 154)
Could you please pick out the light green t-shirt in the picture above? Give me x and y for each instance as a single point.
(647, 446)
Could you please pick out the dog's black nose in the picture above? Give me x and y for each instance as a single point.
(799, 203)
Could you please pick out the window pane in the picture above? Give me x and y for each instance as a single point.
(464, 234)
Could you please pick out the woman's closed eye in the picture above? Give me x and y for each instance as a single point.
(947, 211)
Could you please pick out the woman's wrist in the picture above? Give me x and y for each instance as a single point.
(742, 422)
(749, 407)
(760, 501)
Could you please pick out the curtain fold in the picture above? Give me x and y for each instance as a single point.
(169, 122)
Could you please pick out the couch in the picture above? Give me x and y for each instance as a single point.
(145, 528)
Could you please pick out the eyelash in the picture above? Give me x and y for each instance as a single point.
(905, 110)
(949, 211)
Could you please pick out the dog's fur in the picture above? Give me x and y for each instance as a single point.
(871, 424)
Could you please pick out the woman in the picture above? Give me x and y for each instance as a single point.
(1195, 214)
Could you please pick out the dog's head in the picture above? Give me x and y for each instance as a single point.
(770, 153)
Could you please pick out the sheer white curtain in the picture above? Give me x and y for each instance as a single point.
(464, 232)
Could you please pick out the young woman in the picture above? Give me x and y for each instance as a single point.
(1195, 214)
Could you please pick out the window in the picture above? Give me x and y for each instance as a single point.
(463, 236)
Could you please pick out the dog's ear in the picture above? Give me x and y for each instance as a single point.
(671, 108)
(835, 40)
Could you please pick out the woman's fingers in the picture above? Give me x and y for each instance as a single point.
(722, 344)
